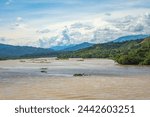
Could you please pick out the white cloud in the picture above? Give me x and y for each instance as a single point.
(100, 31)
(43, 31)
(147, 18)
(136, 28)
(19, 19)
(5, 40)
(18, 26)
(95, 29)
(85, 26)
(108, 14)
(8, 2)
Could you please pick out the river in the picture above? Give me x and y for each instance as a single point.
(49, 78)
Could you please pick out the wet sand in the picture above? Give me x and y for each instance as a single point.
(50, 86)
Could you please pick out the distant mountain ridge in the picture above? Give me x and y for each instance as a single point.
(72, 47)
(75, 47)
(130, 37)
(59, 48)
(79, 46)
(17, 51)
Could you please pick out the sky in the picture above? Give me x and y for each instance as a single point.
(47, 23)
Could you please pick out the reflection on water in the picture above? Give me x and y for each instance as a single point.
(53, 79)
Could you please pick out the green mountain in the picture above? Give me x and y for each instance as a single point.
(10, 51)
(128, 52)
(137, 54)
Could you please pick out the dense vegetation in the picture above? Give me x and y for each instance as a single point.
(129, 52)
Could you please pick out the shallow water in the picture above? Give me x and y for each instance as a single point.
(53, 79)
(52, 67)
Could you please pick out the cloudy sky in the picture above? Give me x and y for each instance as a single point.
(46, 23)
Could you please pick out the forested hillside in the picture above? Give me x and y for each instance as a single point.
(128, 52)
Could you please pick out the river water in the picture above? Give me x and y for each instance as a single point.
(64, 68)
(48, 78)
